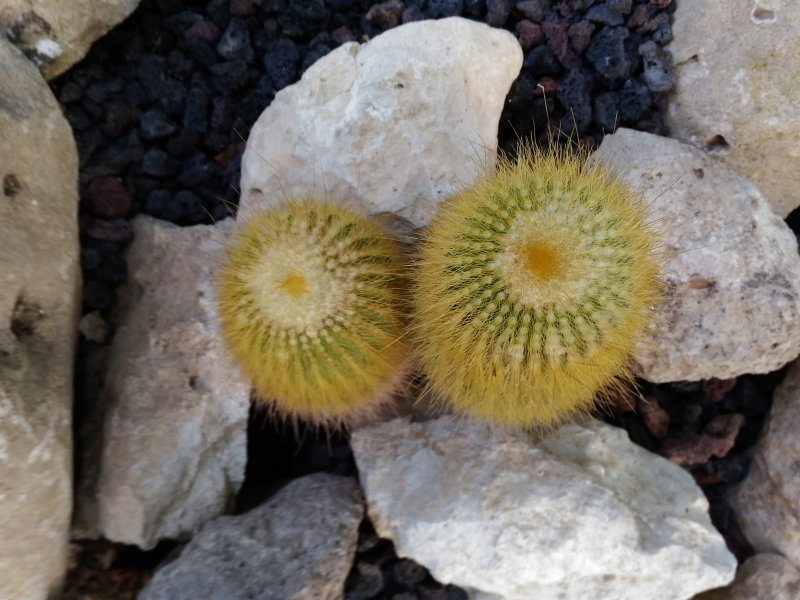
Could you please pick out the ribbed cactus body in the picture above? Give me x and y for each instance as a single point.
(532, 289)
(310, 303)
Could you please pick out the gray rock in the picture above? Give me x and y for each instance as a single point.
(767, 502)
(165, 446)
(394, 125)
(732, 272)
(299, 544)
(56, 34)
(762, 577)
(737, 90)
(39, 304)
(580, 513)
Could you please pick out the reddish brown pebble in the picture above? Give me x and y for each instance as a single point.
(717, 439)
(112, 230)
(243, 8)
(412, 13)
(655, 418)
(698, 282)
(546, 86)
(204, 30)
(638, 17)
(654, 23)
(580, 34)
(108, 197)
(622, 400)
(386, 14)
(661, 3)
(530, 34)
(717, 389)
(342, 34)
(558, 42)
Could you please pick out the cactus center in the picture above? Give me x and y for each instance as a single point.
(541, 259)
(295, 284)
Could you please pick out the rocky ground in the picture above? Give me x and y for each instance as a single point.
(160, 109)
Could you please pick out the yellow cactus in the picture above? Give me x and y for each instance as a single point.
(532, 289)
(310, 304)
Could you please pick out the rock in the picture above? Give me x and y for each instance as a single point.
(39, 305)
(165, 444)
(580, 513)
(767, 576)
(737, 89)
(732, 274)
(767, 502)
(299, 544)
(394, 125)
(55, 34)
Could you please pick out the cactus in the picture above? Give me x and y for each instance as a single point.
(310, 304)
(533, 287)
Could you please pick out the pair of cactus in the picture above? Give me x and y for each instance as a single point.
(531, 290)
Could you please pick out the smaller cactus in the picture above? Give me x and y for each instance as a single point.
(532, 288)
(310, 304)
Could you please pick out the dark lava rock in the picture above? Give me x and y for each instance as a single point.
(580, 34)
(621, 7)
(658, 72)
(530, 34)
(155, 125)
(195, 117)
(558, 42)
(385, 15)
(606, 111)
(533, 9)
(364, 582)
(158, 163)
(541, 61)
(611, 54)
(634, 100)
(444, 8)
(235, 42)
(497, 12)
(109, 230)
(574, 92)
(601, 13)
(281, 62)
(97, 296)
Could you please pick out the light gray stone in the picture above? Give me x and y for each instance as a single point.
(767, 502)
(166, 444)
(737, 90)
(732, 272)
(762, 577)
(394, 125)
(39, 304)
(580, 513)
(299, 544)
(55, 34)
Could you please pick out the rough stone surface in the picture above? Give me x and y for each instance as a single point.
(581, 513)
(732, 272)
(39, 303)
(55, 34)
(764, 576)
(394, 125)
(165, 449)
(767, 502)
(739, 78)
(299, 544)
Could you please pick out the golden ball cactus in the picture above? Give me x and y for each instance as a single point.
(532, 289)
(311, 304)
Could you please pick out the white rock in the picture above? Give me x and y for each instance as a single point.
(767, 502)
(762, 577)
(170, 450)
(39, 304)
(55, 34)
(299, 544)
(732, 297)
(394, 125)
(581, 513)
(739, 78)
